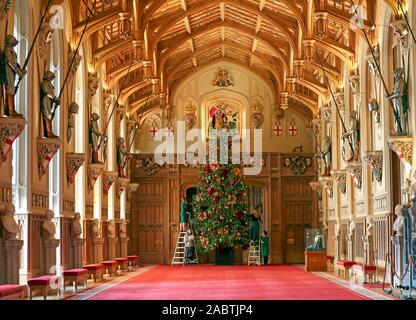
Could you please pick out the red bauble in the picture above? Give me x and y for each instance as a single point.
(216, 200)
(211, 192)
(207, 169)
(224, 173)
(239, 214)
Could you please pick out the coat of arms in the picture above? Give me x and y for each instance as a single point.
(223, 80)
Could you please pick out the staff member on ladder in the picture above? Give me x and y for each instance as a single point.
(189, 247)
(184, 215)
(255, 227)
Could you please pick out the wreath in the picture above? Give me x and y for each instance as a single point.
(298, 165)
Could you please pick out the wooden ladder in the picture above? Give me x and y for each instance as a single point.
(179, 256)
(254, 254)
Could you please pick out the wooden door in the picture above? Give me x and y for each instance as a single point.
(298, 218)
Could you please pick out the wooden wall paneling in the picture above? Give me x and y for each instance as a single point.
(343, 239)
(330, 242)
(88, 236)
(65, 241)
(359, 242)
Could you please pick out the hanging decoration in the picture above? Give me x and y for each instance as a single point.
(149, 166)
(154, 129)
(47, 148)
(257, 117)
(190, 115)
(298, 165)
(10, 130)
(278, 129)
(74, 161)
(293, 128)
(170, 132)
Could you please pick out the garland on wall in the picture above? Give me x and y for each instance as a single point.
(298, 165)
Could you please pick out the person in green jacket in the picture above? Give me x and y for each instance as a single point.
(184, 215)
(265, 247)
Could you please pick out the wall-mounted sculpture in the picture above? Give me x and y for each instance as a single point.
(72, 112)
(353, 138)
(223, 80)
(49, 104)
(94, 138)
(9, 70)
(400, 102)
(257, 117)
(190, 115)
(48, 226)
(122, 157)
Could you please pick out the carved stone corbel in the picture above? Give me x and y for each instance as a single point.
(131, 189)
(122, 184)
(291, 86)
(372, 63)
(77, 58)
(375, 160)
(147, 70)
(93, 172)
(74, 161)
(340, 177)
(340, 97)
(354, 81)
(328, 184)
(47, 148)
(107, 101)
(400, 32)
(356, 171)
(317, 187)
(93, 85)
(109, 177)
(10, 129)
(327, 113)
(403, 147)
(284, 101)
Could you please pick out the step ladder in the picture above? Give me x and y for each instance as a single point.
(254, 255)
(179, 256)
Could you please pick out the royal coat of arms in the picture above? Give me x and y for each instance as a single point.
(223, 80)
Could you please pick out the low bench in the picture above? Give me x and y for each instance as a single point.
(345, 267)
(44, 284)
(329, 263)
(11, 292)
(123, 263)
(77, 276)
(111, 267)
(133, 261)
(364, 272)
(96, 270)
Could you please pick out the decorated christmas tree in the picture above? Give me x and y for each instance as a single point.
(220, 217)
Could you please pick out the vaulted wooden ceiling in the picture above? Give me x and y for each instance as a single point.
(277, 39)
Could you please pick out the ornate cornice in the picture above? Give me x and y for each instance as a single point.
(47, 148)
(402, 146)
(74, 161)
(10, 129)
(340, 178)
(93, 172)
(356, 171)
(375, 160)
(109, 177)
(328, 184)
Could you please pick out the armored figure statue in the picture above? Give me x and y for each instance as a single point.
(48, 225)
(121, 156)
(76, 226)
(9, 68)
(94, 137)
(326, 155)
(401, 102)
(73, 110)
(10, 226)
(353, 137)
(47, 102)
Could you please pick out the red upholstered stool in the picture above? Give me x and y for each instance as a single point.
(329, 263)
(123, 263)
(345, 267)
(44, 284)
(11, 292)
(77, 276)
(133, 261)
(111, 267)
(365, 273)
(96, 270)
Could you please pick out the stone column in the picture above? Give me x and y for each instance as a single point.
(77, 246)
(10, 261)
(398, 258)
(123, 247)
(96, 250)
(49, 255)
(111, 248)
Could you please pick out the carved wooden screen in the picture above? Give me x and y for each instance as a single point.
(359, 243)
(344, 241)
(331, 238)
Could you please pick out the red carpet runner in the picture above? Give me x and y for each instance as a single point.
(227, 283)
